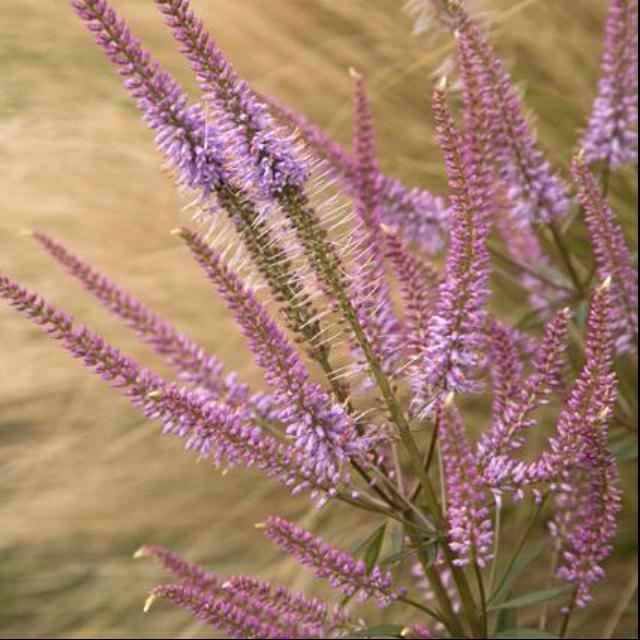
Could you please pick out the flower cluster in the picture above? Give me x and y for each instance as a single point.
(373, 321)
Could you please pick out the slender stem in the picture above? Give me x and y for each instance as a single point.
(565, 254)
(429, 458)
(519, 548)
(549, 582)
(496, 544)
(450, 618)
(427, 610)
(483, 598)
(564, 629)
(622, 605)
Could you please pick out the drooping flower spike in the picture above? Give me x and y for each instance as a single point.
(612, 256)
(611, 136)
(341, 570)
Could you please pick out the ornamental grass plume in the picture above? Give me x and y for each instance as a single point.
(392, 382)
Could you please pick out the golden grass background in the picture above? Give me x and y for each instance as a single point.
(84, 479)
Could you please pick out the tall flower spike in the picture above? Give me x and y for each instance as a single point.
(191, 145)
(321, 429)
(548, 364)
(420, 217)
(192, 362)
(506, 365)
(418, 285)
(216, 431)
(369, 288)
(263, 157)
(468, 517)
(612, 133)
(534, 190)
(456, 332)
(342, 571)
(588, 498)
(612, 256)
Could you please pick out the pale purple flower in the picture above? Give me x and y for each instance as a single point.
(535, 192)
(588, 495)
(505, 364)
(612, 257)
(456, 335)
(522, 398)
(468, 517)
(262, 156)
(192, 146)
(341, 570)
(418, 287)
(612, 133)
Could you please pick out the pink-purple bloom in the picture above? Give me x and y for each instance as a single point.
(612, 132)
(343, 572)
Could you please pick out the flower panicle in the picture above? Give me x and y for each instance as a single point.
(588, 496)
(611, 136)
(264, 158)
(342, 571)
(456, 334)
(612, 255)
(320, 428)
(182, 134)
(535, 192)
(468, 517)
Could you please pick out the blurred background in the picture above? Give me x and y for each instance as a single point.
(85, 480)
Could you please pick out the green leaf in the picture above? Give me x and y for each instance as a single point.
(507, 619)
(380, 631)
(374, 546)
(534, 597)
(524, 633)
(625, 450)
(521, 563)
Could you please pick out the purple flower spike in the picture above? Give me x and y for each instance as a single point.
(612, 133)
(612, 256)
(420, 217)
(262, 156)
(588, 498)
(548, 364)
(468, 518)
(372, 301)
(181, 133)
(342, 571)
(320, 428)
(194, 365)
(457, 328)
(536, 194)
(506, 365)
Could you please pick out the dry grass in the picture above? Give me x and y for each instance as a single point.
(85, 481)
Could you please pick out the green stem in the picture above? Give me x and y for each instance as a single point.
(564, 629)
(565, 254)
(483, 598)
